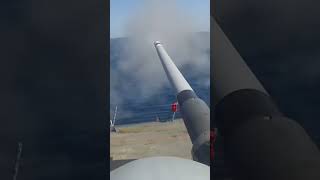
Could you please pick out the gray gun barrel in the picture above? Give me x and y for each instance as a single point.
(195, 112)
(230, 72)
(259, 141)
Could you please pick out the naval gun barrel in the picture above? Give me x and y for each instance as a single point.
(259, 141)
(195, 112)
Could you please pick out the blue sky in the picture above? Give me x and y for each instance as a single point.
(120, 10)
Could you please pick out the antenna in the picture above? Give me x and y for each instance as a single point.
(114, 116)
(112, 122)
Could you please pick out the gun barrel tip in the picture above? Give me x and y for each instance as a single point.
(156, 43)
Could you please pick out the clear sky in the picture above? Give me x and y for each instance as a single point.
(120, 10)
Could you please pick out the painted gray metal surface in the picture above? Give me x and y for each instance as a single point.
(229, 71)
(174, 75)
(196, 116)
(161, 168)
(195, 112)
(258, 143)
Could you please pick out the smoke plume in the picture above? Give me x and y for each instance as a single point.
(139, 73)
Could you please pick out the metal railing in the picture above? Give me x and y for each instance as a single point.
(140, 112)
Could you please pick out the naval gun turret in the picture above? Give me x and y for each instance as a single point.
(195, 112)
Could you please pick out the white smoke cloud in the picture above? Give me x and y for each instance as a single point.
(165, 21)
